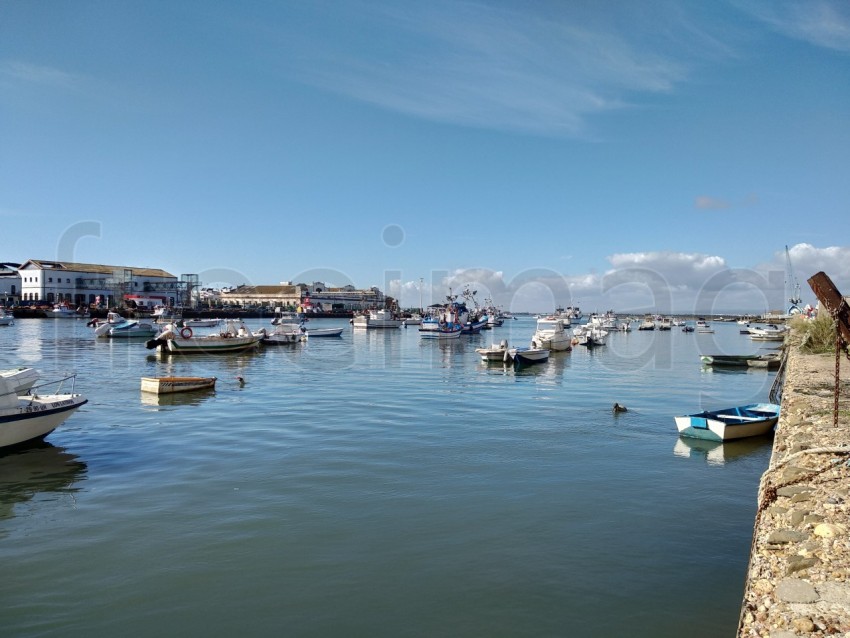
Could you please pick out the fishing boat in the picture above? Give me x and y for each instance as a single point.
(551, 334)
(6, 318)
(26, 417)
(234, 337)
(496, 352)
(729, 423)
(444, 322)
(170, 385)
(444, 330)
(22, 379)
(704, 327)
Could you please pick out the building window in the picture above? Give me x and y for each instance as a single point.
(50, 279)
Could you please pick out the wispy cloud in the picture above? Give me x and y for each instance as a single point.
(823, 23)
(484, 65)
(25, 72)
(704, 202)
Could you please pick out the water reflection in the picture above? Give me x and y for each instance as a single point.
(717, 453)
(35, 469)
(176, 398)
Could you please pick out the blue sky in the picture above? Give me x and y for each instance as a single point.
(624, 155)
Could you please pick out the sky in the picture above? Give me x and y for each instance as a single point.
(635, 156)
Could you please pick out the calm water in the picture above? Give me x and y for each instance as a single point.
(378, 485)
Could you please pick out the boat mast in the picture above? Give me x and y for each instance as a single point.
(795, 296)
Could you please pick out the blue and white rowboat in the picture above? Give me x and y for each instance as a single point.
(729, 423)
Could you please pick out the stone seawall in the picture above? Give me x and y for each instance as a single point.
(798, 580)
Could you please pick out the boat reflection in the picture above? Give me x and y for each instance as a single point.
(36, 468)
(175, 399)
(717, 453)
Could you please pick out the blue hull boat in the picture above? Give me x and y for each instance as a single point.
(729, 423)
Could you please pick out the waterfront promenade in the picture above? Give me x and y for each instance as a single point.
(798, 580)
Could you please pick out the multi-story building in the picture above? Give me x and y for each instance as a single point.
(85, 284)
(10, 284)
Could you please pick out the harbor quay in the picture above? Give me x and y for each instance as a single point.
(798, 579)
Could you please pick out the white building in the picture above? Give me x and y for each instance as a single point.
(10, 284)
(84, 284)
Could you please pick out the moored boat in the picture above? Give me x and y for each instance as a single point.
(22, 379)
(6, 318)
(528, 356)
(235, 337)
(201, 323)
(727, 360)
(551, 334)
(496, 352)
(282, 335)
(768, 333)
(170, 385)
(729, 423)
(377, 319)
(33, 415)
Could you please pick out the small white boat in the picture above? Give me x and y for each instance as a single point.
(528, 356)
(116, 326)
(647, 324)
(729, 423)
(551, 334)
(133, 330)
(64, 311)
(373, 319)
(22, 379)
(103, 326)
(235, 337)
(283, 334)
(589, 336)
(33, 415)
(170, 385)
(768, 333)
(201, 323)
(704, 327)
(496, 352)
(6, 318)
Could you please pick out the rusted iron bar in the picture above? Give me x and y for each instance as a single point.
(834, 302)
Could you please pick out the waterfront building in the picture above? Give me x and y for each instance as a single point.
(10, 283)
(79, 284)
(316, 296)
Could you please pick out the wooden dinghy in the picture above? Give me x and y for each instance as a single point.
(170, 385)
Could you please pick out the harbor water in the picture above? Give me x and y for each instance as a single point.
(378, 484)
